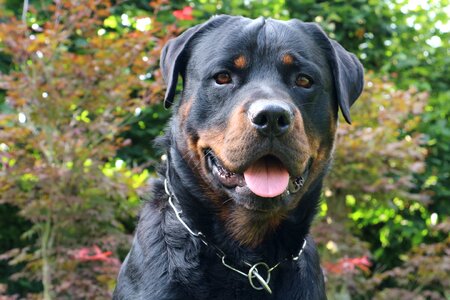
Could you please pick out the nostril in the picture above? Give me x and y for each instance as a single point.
(260, 119)
(283, 121)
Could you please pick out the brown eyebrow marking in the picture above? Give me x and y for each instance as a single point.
(240, 62)
(287, 59)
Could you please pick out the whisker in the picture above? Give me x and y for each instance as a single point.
(226, 201)
(196, 163)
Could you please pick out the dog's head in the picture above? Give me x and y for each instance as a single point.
(258, 114)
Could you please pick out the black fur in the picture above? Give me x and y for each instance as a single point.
(165, 261)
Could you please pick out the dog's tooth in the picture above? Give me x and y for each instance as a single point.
(241, 181)
(295, 184)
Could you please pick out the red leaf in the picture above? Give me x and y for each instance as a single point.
(346, 265)
(184, 14)
(93, 254)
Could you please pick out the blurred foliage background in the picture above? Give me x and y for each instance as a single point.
(80, 103)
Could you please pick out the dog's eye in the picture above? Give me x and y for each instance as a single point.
(222, 78)
(303, 81)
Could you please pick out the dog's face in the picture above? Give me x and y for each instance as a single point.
(258, 114)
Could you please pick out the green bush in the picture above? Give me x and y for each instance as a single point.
(73, 89)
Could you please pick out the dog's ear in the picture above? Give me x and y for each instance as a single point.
(348, 73)
(173, 60)
(174, 55)
(348, 76)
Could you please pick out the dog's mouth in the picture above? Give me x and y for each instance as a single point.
(266, 177)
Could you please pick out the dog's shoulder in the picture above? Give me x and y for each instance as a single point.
(161, 252)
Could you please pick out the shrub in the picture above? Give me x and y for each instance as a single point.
(373, 206)
(76, 84)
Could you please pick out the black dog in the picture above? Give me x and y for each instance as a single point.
(248, 146)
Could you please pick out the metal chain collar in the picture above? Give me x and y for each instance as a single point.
(253, 272)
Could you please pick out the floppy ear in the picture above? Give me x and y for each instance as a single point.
(348, 76)
(173, 60)
(348, 73)
(174, 56)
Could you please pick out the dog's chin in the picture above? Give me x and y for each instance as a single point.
(258, 195)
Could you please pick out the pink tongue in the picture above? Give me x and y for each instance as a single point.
(267, 178)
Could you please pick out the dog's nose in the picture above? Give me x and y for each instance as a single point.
(271, 117)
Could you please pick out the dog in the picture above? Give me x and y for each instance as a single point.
(247, 148)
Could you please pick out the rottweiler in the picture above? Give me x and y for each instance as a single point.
(247, 148)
